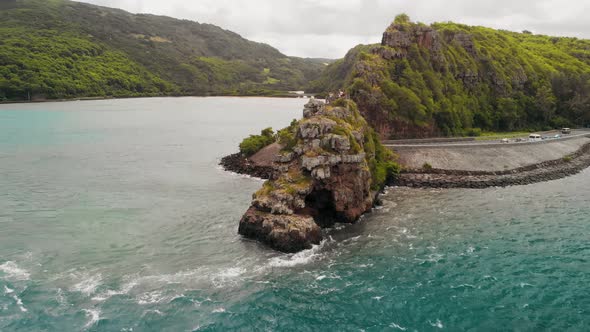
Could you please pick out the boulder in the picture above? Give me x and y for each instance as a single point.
(313, 107)
(287, 233)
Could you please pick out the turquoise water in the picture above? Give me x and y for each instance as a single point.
(115, 217)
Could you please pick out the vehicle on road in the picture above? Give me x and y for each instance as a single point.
(535, 137)
(566, 131)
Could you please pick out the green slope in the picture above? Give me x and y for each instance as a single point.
(63, 49)
(452, 79)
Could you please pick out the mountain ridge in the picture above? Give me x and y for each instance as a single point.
(154, 55)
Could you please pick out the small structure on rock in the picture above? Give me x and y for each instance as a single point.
(329, 171)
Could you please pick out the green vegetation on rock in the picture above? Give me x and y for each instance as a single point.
(381, 160)
(63, 49)
(287, 137)
(255, 143)
(450, 79)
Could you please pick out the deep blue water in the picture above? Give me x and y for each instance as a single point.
(115, 217)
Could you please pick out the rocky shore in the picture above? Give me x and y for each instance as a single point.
(545, 171)
(237, 163)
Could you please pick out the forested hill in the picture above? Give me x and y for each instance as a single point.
(64, 49)
(452, 79)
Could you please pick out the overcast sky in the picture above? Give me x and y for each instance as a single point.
(329, 28)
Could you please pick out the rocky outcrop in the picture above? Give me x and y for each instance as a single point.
(237, 163)
(400, 37)
(323, 179)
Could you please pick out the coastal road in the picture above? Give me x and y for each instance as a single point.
(408, 143)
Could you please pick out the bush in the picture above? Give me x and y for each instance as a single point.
(287, 137)
(392, 170)
(568, 159)
(383, 168)
(427, 167)
(255, 143)
(473, 132)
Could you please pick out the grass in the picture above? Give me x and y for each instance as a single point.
(491, 136)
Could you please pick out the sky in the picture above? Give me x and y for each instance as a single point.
(329, 28)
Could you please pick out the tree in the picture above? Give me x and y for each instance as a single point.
(402, 19)
(545, 102)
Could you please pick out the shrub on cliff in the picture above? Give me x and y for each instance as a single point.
(382, 163)
(287, 136)
(255, 143)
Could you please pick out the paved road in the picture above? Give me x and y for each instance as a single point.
(575, 133)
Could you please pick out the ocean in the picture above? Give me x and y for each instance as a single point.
(114, 216)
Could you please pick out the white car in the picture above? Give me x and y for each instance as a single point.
(535, 137)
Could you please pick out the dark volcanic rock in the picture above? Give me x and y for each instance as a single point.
(237, 163)
(289, 233)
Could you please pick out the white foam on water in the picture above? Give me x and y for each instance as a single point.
(300, 258)
(155, 297)
(396, 326)
(8, 290)
(13, 272)
(234, 174)
(60, 298)
(88, 285)
(94, 315)
(228, 276)
(126, 288)
(176, 278)
(151, 298)
(322, 277)
(231, 272)
(437, 324)
(218, 310)
(157, 312)
(463, 286)
(20, 304)
(353, 239)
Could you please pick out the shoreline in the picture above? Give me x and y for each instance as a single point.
(448, 178)
(63, 100)
(239, 164)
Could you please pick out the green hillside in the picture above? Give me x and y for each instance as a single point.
(452, 79)
(65, 49)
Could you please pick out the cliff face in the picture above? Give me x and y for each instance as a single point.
(450, 79)
(327, 175)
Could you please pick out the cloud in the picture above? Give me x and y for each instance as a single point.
(329, 28)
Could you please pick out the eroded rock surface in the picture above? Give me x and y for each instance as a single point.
(322, 179)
